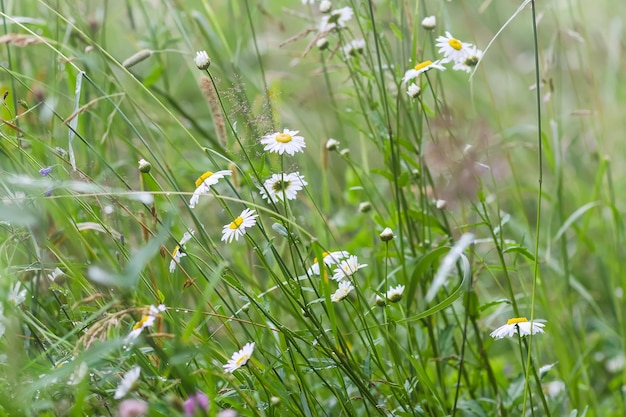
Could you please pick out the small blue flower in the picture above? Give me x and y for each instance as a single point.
(44, 172)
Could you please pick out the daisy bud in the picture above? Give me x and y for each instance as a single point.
(414, 91)
(322, 43)
(440, 204)
(202, 60)
(144, 166)
(429, 22)
(325, 6)
(387, 235)
(332, 144)
(365, 206)
(344, 152)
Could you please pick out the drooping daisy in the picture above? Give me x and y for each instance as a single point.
(518, 325)
(17, 295)
(347, 268)
(240, 358)
(342, 292)
(452, 48)
(147, 320)
(329, 259)
(204, 183)
(421, 68)
(286, 141)
(413, 90)
(337, 19)
(282, 185)
(178, 253)
(394, 294)
(238, 227)
(202, 60)
(474, 55)
(354, 48)
(128, 382)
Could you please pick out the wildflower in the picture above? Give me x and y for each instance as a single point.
(329, 259)
(336, 19)
(144, 166)
(474, 55)
(440, 204)
(132, 408)
(414, 90)
(354, 48)
(347, 268)
(287, 141)
(429, 22)
(365, 206)
(17, 295)
(325, 6)
(421, 68)
(146, 321)
(204, 183)
(322, 43)
(240, 358)
(55, 274)
(332, 144)
(342, 292)
(178, 253)
(280, 186)
(128, 382)
(380, 301)
(229, 412)
(520, 326)
(196, 402)
(452, 48)
(238, 227)
(44, 172)
(202, 60)
(344, 152)
(395, 294)
(387, 235)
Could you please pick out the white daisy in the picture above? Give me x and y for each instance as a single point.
(519, 326)
(285, 142)
(354, 48)
(474, 55)
(395, 294)
(128, 382)
(452, 48)
(240, 358)
(421, 68)
(204, 183)
(336, 19)
(17, 295)
(342, 292)
(146, 321)
(202, 60)
(238, 227)
(347, 268)
(282, 185)
(178, 253)
(329, 258)
(55, 274)
(413, 90)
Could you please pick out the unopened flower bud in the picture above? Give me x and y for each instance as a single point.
(365, 206)
(325, 6)
(429, 22)
(202, 60)
(332, 144)
(144, 166)
(380, 301)
(414, 91)
(387, 235)
(322, 43)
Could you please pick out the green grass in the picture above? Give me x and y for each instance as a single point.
(531, 225)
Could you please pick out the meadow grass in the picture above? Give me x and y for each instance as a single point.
(284, 227)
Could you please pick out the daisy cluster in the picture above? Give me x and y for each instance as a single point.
(332, 22)
(345, 266)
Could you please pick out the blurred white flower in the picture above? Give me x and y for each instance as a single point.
(202, 60)
(17, 295)
(147, 320)
(336, 19)
(329, 259)
(414, 90)
(128, 383)
(79, 374)
(395, 293)
(354, 48)
(429, 22)
(347, 268)
(342, 292)
(474, 55)
(178, 253)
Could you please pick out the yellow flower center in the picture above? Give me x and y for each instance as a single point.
(236, 223)
(517, 320)
(422, 65)
(140, 323)
(283, 138)
(242, 359)
(175, 251)
(455, 43)
(203, 177)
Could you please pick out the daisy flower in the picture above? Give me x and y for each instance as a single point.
(452, 48)
(518, 325)
(204, 183)
(146, 321)
(238, 227)
(474, 55)
(413, 90)
(347, 268)
(329, 259)
(128, 382)
(240, 358)
(421, 68)
(354, 48)
(282, 185)
(202, 60)
(395, 294)
(285, 142)
(342, 292)
(336, 19)
(178, 253)
(17, 295)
